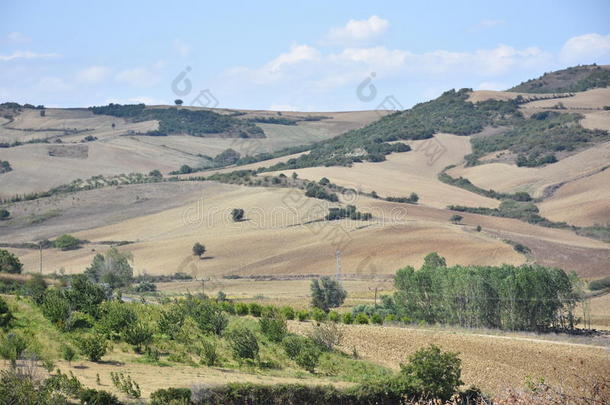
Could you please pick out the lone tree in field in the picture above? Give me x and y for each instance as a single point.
(178, 101)
(9, 263)
(4, 214)
(67, 242)
(456, 219)
(198, 249)
(327, 293)
(237, 214)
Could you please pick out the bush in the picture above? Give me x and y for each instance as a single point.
(12, 346)
(126, 384)
(237, 214)
(67, 353)
(9, 263)
(36, 288)
(318, 315)
(303, 315)
(255, 309)
(326, 335)
(112, 267)
(348, 319)
(432, 373)
(333, 316)
(210, 318)
(93, 346)
(288, 312)
(242, 308)
(456, 218)
(145, 286)
(6, 316)
(66, 242)
(599, 284)
(273, 326)
(243, 343)
(171, 321)
(115, 318)
(209, 353)
(293, 344)
(308, 358)
(138, 334)
(362, 319)
(90, 396)
(177, 396)
(56, 307)
(79, 320)
(377, 318)
(198, 249)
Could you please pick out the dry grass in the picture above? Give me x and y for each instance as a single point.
(493, 363)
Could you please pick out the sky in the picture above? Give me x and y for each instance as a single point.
(299, 55)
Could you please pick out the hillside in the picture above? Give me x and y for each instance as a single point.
(573, 79)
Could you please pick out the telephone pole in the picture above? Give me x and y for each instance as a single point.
(338, 256)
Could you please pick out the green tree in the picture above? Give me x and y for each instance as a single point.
(273, 325)
(237, 214)
(67, 242)
(432, 373)
(210, 318)
(171, 320)
(4, 214)
(113, 267)
(36, 287)
(198, 249)
(67, 353)
(327, 293)
(414, 197)
(243, 342)
(93, 346)
(12, 346)
(115, 318)
(138, 334)
(178, 102)
(456, 218)
(9, 263)
(155, 173)
(85, 296)
(56, 307)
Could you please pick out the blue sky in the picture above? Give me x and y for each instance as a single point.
(310, 56)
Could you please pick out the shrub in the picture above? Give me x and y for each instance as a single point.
(112, 267)
(326, 335)
(327, 293)
(288, 312)
(126, 384)
(171, 321)
(67, 242)
(138, 334)
(12, 346)
(9, 263)
(456, 218)
(377, 318)
(56, 307)
(210, 318)
(115, 318)
(91, 396)
(242, 308)
(362, 319)
(274, 326)
(79, 320)
(432, 373)
(308, 358)
(303, 315)
(333, 316)
(93, 346)
(243, 343)
(6, 316)
(600, 284)
(293, 344)
(209, 353)
(4, 214)
(176, 396)
(348, 318)
(67, 353)
(255, 309)
(85, 296)
(36, 288)
(227, 306)
(318, 315)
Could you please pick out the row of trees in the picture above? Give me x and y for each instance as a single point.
(527, 297)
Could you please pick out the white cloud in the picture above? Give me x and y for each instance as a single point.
(27, 55)
(182, 47)
(93, 74)
(138, 77)
(587, 48)
(297, 53)
(17, 38)
(358, 31)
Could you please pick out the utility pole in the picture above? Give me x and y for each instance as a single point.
(338, 270)
(40, 247)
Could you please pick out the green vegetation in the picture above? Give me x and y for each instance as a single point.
(111, 267)
(4, 214)
(9, 263)
(464, 183)
(67, 242)
(183, 121)
(315, 190)
(327, 293)
(198, 249)
(226, 158)
(5, 166)
(573, 79)
(527, 297)
(600, 284)
(349, 212)
(448, 113)
(535, 140)
(237, 214)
